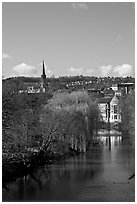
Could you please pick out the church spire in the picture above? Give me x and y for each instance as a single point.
(43, 68)
(43, 79)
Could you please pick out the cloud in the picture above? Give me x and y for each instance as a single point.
(80, 6)
(6, 56)
(123, 70)
(25, 70)
(49, 72)
(116, 71)
(75, 71)
(105, 70)
(89, 72)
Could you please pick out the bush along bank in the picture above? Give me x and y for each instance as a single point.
(18, 165)
(62, 127)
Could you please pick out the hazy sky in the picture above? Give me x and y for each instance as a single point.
(95, 39)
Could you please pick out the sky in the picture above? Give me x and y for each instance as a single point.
(90, 39)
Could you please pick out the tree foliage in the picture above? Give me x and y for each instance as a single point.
(80, 115)
(128, 114)
(52, 124)
(20, 117)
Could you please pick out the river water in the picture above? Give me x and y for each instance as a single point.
(101, 174)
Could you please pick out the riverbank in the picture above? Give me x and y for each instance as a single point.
(18, 165)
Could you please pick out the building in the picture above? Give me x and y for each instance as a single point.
(93, 90)
(114, 87)
(123, 88)
(110, 109)
(36, 87)
(31, 87)
(126, 87)
(118, 93)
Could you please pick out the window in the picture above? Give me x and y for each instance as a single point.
(115, 117)
(115, 109)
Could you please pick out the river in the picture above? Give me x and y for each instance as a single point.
(101, 174)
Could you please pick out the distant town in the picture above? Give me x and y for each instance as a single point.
(106, 90)
(92, 84)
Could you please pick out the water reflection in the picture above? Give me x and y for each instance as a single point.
(111, 141)
(112, 132)
(79, 178)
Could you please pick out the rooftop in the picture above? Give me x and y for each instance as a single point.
(105, 100)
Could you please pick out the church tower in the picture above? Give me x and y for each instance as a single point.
(43, 79)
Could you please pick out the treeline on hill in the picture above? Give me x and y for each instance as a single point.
(64, 83)
(69, 79)
(127, 104)
(39, 128)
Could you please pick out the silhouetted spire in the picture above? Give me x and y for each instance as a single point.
(43, 69)
(43, 78)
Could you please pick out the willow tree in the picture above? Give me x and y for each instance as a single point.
(69, 118)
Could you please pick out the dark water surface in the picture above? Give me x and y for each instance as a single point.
(101, 174)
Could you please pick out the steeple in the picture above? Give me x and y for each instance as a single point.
(43, 78)
(43, 68)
